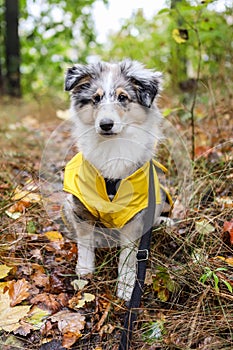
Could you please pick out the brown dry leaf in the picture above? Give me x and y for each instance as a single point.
(40, 279)
(50, 302)
(24, 329)
(228, 227)
(4, 270)
(18, 291)
(70, 324)
(10, 316)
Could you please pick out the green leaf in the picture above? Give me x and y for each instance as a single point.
(166, 10)
(216, 282)
(228, 285)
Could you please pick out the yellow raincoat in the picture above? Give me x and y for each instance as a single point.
(85, 182)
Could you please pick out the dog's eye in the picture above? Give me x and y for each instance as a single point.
(96, 99)
(122, 98)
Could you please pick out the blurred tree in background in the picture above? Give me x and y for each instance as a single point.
(176, 39)
(187, 40)
(53, 33)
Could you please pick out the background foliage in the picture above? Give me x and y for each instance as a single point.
(54, 34)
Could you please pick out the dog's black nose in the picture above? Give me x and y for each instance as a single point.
(106, 124)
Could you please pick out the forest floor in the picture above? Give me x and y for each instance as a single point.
(188, 298)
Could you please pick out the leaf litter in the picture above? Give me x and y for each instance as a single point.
(47, 307)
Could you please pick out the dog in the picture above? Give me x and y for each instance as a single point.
(115, 125)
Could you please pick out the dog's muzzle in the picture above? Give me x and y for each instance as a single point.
(106, 126)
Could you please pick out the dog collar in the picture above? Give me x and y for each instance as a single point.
(85, 182)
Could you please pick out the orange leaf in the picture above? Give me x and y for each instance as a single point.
(19, 206)
(69, 339)
(18, 291)
(228, 227)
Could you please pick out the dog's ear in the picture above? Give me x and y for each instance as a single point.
(146, 82)
(77, 75)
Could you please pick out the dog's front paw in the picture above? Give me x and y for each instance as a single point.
(124, 292)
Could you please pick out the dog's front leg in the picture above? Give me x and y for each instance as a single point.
(82, 233)
(126, 271)
(127, 261)
(86, 255)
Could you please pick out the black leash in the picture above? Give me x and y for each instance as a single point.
(142, 257)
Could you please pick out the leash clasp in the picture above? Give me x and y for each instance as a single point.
(142, 254)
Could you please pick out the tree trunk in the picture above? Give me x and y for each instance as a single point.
(12, 47)
(178, 53)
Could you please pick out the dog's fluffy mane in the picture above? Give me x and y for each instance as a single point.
(118, 155)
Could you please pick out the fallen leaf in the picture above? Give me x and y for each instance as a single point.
(79, 284)
(24, 329)
(50, 302)
(70, 324)
(204, 227)
(79, 300)
(228, 227)
(40, 279)
(229, 261)
(27, 196)
(54, 236)
(69, 339)
(18, 291)
(37, 317)
(20, 206)
(10, 316)
(56, 241)
(4, 270)
(163, 284)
